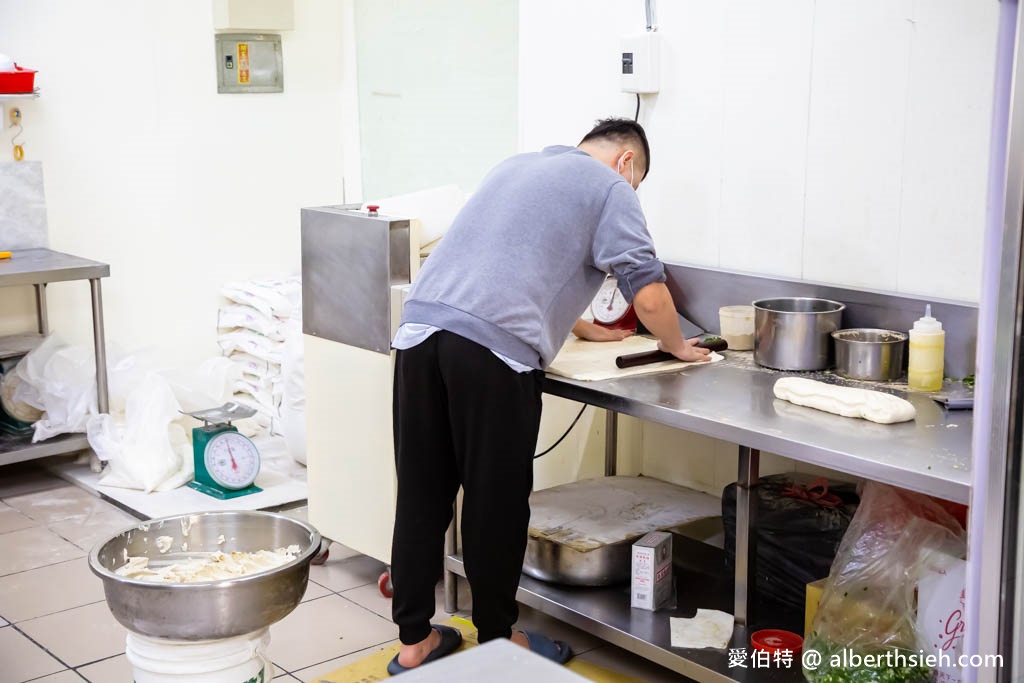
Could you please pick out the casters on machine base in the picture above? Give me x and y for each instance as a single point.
(323, 553)
(384, 584)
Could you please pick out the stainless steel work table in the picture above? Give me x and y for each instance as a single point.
(733, 401)
(39, 267)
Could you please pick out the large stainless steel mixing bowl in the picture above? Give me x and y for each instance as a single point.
(206, 610)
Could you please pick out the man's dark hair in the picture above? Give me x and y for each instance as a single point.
(621, 131)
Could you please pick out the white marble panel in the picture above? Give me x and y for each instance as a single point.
(22, 205)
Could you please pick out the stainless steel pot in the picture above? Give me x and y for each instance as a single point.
(869, 354)
(207, 610)
(557, 563)
(795, 333)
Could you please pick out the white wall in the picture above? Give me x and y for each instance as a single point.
(812, 139)
(822, 140)
(147, 168)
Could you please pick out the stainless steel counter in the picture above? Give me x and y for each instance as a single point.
(38, 266)
(733, 401)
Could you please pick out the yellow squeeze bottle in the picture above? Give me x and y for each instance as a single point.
(927, 347)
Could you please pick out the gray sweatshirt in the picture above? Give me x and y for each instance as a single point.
(528, 252)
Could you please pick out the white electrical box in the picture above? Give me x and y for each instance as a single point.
(253, 15)
(639, 65)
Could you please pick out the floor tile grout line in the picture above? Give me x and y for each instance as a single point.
(39, 678)
(101, 659)
(52, 564)
(51, 614)
(362, 649)
(42, 647)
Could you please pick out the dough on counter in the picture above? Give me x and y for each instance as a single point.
(875, 406)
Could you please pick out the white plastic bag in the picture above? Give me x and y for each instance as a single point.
(208, 386)
(148, 450)
(65, 388)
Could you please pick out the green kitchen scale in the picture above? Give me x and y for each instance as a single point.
(226, 461)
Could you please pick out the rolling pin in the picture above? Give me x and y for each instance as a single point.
(631, 360)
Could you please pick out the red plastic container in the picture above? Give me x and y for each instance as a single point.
(775, 640)
(17, 82)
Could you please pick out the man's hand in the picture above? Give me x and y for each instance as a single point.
(590, 332)
(688, 351)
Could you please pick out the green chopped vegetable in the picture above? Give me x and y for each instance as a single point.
(835, 667)
(968, 381)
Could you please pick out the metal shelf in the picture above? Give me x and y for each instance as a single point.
(20, 95)
(605, 613)
(19, 344)
(15, 448)
(38, 267)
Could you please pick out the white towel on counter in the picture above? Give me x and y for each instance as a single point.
(710, 628)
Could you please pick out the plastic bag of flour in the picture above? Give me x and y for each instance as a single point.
(249, 318)
(252, 343)
(279, 297)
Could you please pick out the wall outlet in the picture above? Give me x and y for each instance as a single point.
(639, 63)
(15, 116)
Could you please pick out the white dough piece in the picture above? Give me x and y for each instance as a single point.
(875, 406)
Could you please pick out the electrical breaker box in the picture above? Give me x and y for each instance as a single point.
(641, 53)
(249, 63)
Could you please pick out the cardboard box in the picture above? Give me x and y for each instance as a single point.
(652, 571)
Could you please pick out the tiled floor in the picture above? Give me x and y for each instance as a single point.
(55, 626)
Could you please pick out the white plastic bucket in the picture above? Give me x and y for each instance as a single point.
(232, 660)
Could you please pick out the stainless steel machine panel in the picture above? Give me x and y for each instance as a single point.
(350, 261)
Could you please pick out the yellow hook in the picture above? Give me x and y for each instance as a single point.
(19, 153)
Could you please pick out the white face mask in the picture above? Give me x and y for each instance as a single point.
(630, 172)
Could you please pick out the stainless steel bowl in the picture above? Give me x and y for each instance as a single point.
(206, 610)
(794, 333)
(869, 354)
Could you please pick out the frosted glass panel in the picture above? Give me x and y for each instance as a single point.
(437, 91)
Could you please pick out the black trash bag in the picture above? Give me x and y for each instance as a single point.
(800, 523)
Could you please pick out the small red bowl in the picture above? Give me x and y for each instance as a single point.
(776, 640)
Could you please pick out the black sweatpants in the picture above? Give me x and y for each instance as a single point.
(462, 417)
